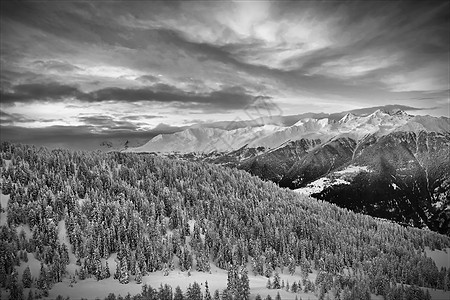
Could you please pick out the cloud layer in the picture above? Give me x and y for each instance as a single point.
(186, 61)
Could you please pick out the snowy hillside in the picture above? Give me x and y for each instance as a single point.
(205, 140)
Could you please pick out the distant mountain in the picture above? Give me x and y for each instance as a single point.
(386, 163)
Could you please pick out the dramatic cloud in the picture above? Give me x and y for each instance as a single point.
(186, 61)
(40, 91)
(226, 98)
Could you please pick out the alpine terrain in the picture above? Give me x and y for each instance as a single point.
(385, 163)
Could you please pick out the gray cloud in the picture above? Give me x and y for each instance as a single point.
(51, 91)
(225, 98)
(9, 119)
(107, 123)
(139, 117)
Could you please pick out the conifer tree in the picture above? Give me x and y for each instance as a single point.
(42, 283)
(123, 272)
(107, 272)
(276, 281)
(26, 277)
(16, 291)
(216, 295)
(294, 287)
(138, 276)
(178, 294)
(165, 292)
(207, 293)
(244, 286)
(194, 292)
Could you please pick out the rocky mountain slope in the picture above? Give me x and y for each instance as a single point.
(385, 163)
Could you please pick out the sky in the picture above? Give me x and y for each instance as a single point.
(138, 68)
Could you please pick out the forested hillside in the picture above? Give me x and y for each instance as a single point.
(158, 214)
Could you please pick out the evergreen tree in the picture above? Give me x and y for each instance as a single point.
(26, 277)
(216, 295)
(278, 297)
(165, 292)
(16, 291)
(232, 278)
(178, 294)
(207, 293)
(123, 273)
(268, 271)
(138, 277)
(244, 286)
(276, 281)
(42, 283)
(194, 292)
(291, 266)
(117, 273)
(107, 272)
(149, 293)
(268, 284)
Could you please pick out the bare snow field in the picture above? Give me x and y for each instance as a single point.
(4, 202)
(440, 258)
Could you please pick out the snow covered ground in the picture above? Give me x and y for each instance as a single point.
(318, 185)
(440, 258)
(353, 169)
(217, 279)
(4, 202)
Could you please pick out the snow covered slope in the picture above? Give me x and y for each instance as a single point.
(205, 140)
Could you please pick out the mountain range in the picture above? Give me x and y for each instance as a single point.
(383, 162)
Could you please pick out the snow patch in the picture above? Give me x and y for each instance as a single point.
(319, 185)
(33, 263)
(353, 169)
(64, 239)
(438, 204)
(4, 199)
(26, 229)
(440, 258)
(217, 280)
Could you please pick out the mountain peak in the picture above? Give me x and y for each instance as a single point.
(398, 112)
(348, 117)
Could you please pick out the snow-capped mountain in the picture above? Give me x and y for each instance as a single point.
(386, 163)
(205, 140)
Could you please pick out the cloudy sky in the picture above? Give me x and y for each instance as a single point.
(76, 68)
